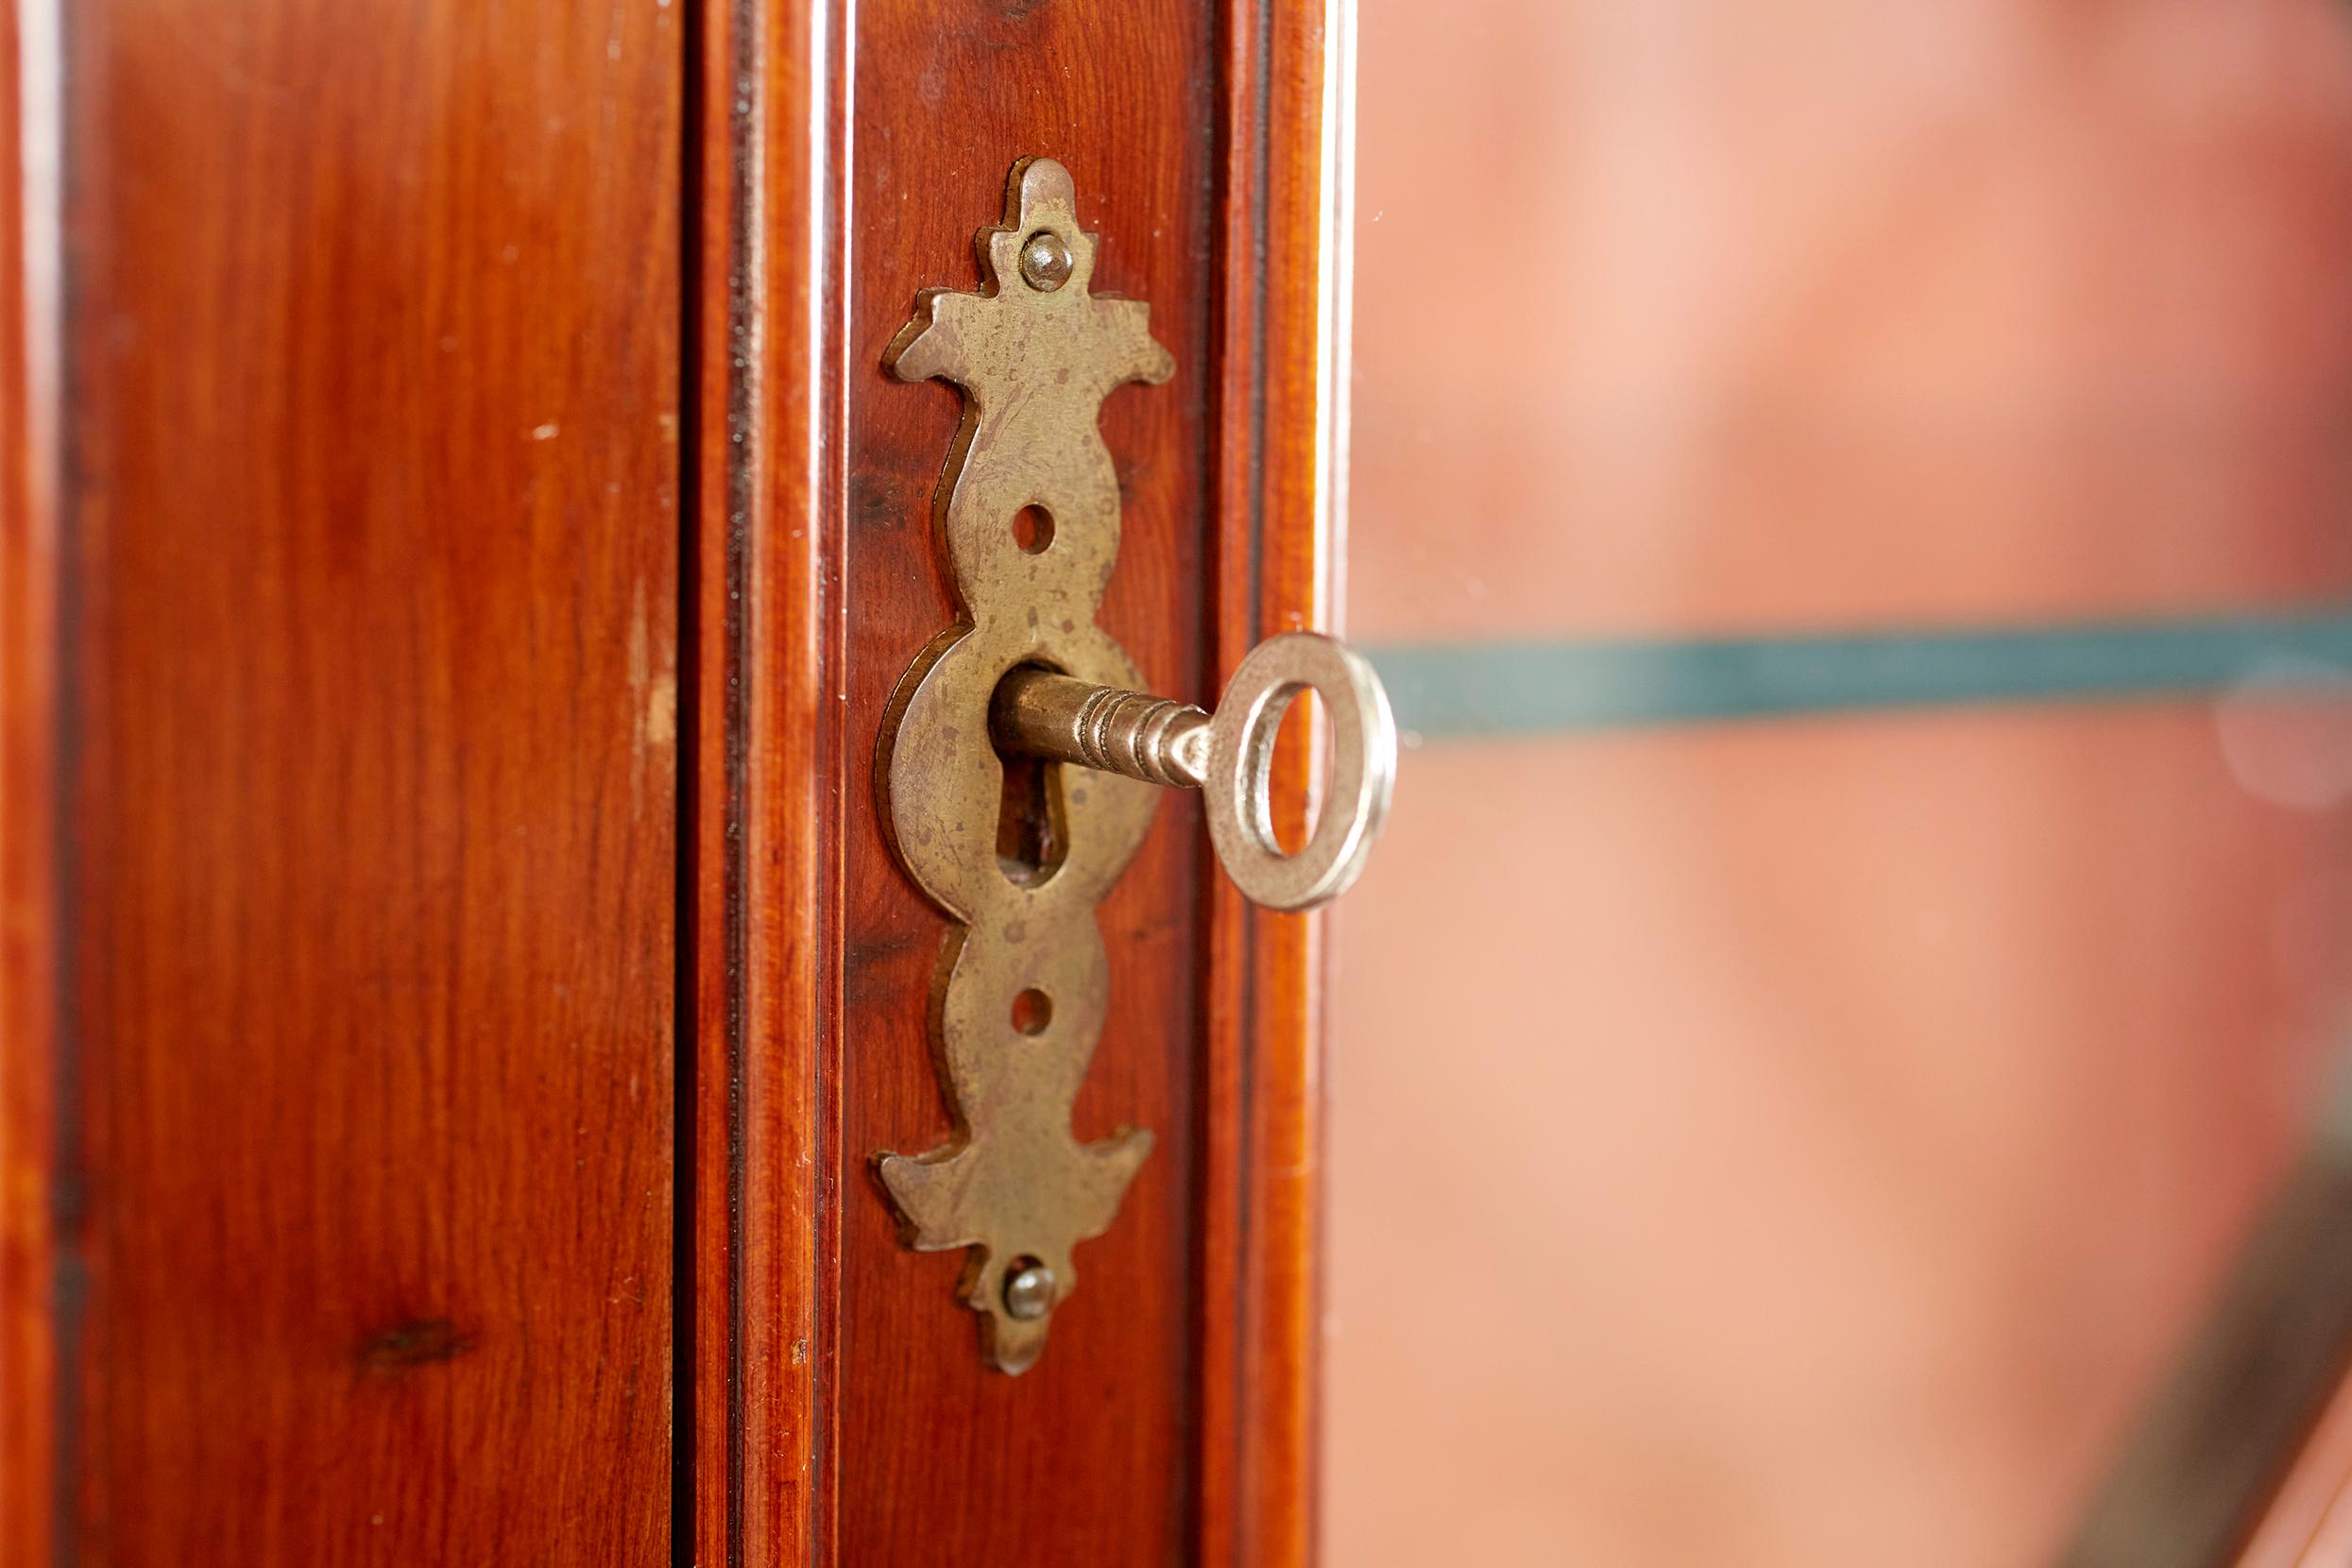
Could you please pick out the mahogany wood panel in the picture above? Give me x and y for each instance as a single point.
(843, 1410)
(28, 537)
(764, 732)
(374, 352)
(1280, 520)
(1085, 1458)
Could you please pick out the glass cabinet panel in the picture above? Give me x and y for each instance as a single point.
(1851, 499)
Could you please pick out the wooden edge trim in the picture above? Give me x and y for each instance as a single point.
(767, 137)
(31, 369)
(1279, 461)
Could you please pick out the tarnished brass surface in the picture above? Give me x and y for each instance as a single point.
(1157, 740)
(1035, 352)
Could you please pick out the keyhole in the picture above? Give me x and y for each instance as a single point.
(1032, 840)
(1033, 529)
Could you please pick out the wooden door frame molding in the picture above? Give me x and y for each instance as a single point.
(1282, 421)
(760, 955)
(771, 134)
(31, 453)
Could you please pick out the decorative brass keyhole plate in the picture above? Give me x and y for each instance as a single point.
(1024, 982)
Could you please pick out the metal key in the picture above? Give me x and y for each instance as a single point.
(1230, 754)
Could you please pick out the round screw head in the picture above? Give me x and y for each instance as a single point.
(1029, 1292)
(1046, 261)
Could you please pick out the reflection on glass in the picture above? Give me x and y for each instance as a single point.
(1852, 499)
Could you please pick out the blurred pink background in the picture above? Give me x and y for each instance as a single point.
(1807, 1142)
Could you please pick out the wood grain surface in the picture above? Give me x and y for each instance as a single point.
(375, 356)
(844, 1410)
(762, 899)
(1085, 1458)
(389, 425)
(29, 277)
(1282, 377)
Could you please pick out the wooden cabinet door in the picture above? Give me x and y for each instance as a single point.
(461, 540)
(344, 803)
(842, 1404)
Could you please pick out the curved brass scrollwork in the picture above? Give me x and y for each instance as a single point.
(1024, 982)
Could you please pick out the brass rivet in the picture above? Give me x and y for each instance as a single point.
(1029, 1292)
(1046, 261)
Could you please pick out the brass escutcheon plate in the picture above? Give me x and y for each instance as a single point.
(1023, 984)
